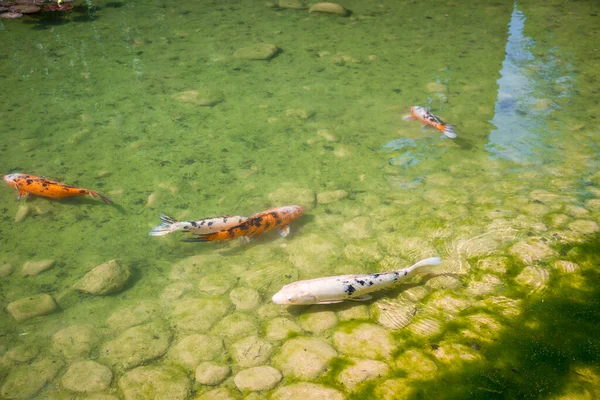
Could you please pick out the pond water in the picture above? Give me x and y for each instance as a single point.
(159, 107)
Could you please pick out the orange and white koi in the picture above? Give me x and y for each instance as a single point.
(275, 218)
(201, 226)
(39, 186)
(423, 115)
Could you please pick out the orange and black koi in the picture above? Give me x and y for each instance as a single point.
(29, 184)
(275, 218)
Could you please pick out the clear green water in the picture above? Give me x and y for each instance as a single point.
(89, 99)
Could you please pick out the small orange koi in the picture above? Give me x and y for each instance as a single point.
(275, 218)
(39, 186)
(423, 115)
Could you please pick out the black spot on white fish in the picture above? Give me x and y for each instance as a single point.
(350, 289)
(360, 282)
(376, 275)
(405, 273)
(210, 223)
(194, 224)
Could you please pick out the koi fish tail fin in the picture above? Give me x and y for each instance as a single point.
(104, 198)
(165, 228)
(428, 262)
(449, 130)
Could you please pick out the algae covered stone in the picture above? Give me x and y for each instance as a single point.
(281, 328)
(86, 377)
(30, 307)
(75, 342)
(365, 340)
(199, 314)
(257, 379)
(204, 97)
(6, 270)
(244, 299)
(137, 345)
(155, 383)
(362, 371)
(211, 373)
(106, 278)
(193, 349)
(261, 51)
(329, 8)
(251, 351)
(305, 391)
(31, 268)
(304, 357)
(25, 381)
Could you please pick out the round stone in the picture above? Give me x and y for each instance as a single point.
(155, 383)
(244, 299)
(192, 350)
(362, 371)
(304, 391)
(329, 8)
(251, 351)
(86, 377)
(205, 97)
(211, 373)
(304, 357)
(75, 342)
(317, 320)
(366, 341)
(281, 328)
(257, 379)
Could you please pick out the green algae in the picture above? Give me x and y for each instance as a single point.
(94, 93)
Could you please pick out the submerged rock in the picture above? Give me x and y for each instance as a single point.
(31, 268)
(257, 379)
(211, 373)
(366, 341)
(281, 328)
(193, 349)
(261, 51)
(531, 250)
(86, 377)
(304, 357)
(331, 197)
(244, 299)
(198, 315)
(304, 390)
(204, 97)
(6, 270)
(293, 195)
(317, 320)
(251, 351)
(535, 278)
(106, 278)
(22, 353)
(329, 8)
(25, 381)
(22, 212)
(75, 342)
(136, 314)
(30, 307)
(416, 365)
(155, 383)
(362, 371)
(394, 314)
(236, 326)
(137, 345)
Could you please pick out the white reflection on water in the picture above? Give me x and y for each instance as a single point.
(523, 103)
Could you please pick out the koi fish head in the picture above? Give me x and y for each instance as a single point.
(417, 111)
(290, 295)
(11, 179)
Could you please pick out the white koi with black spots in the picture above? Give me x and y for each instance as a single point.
(335, 289)
(201, 226)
